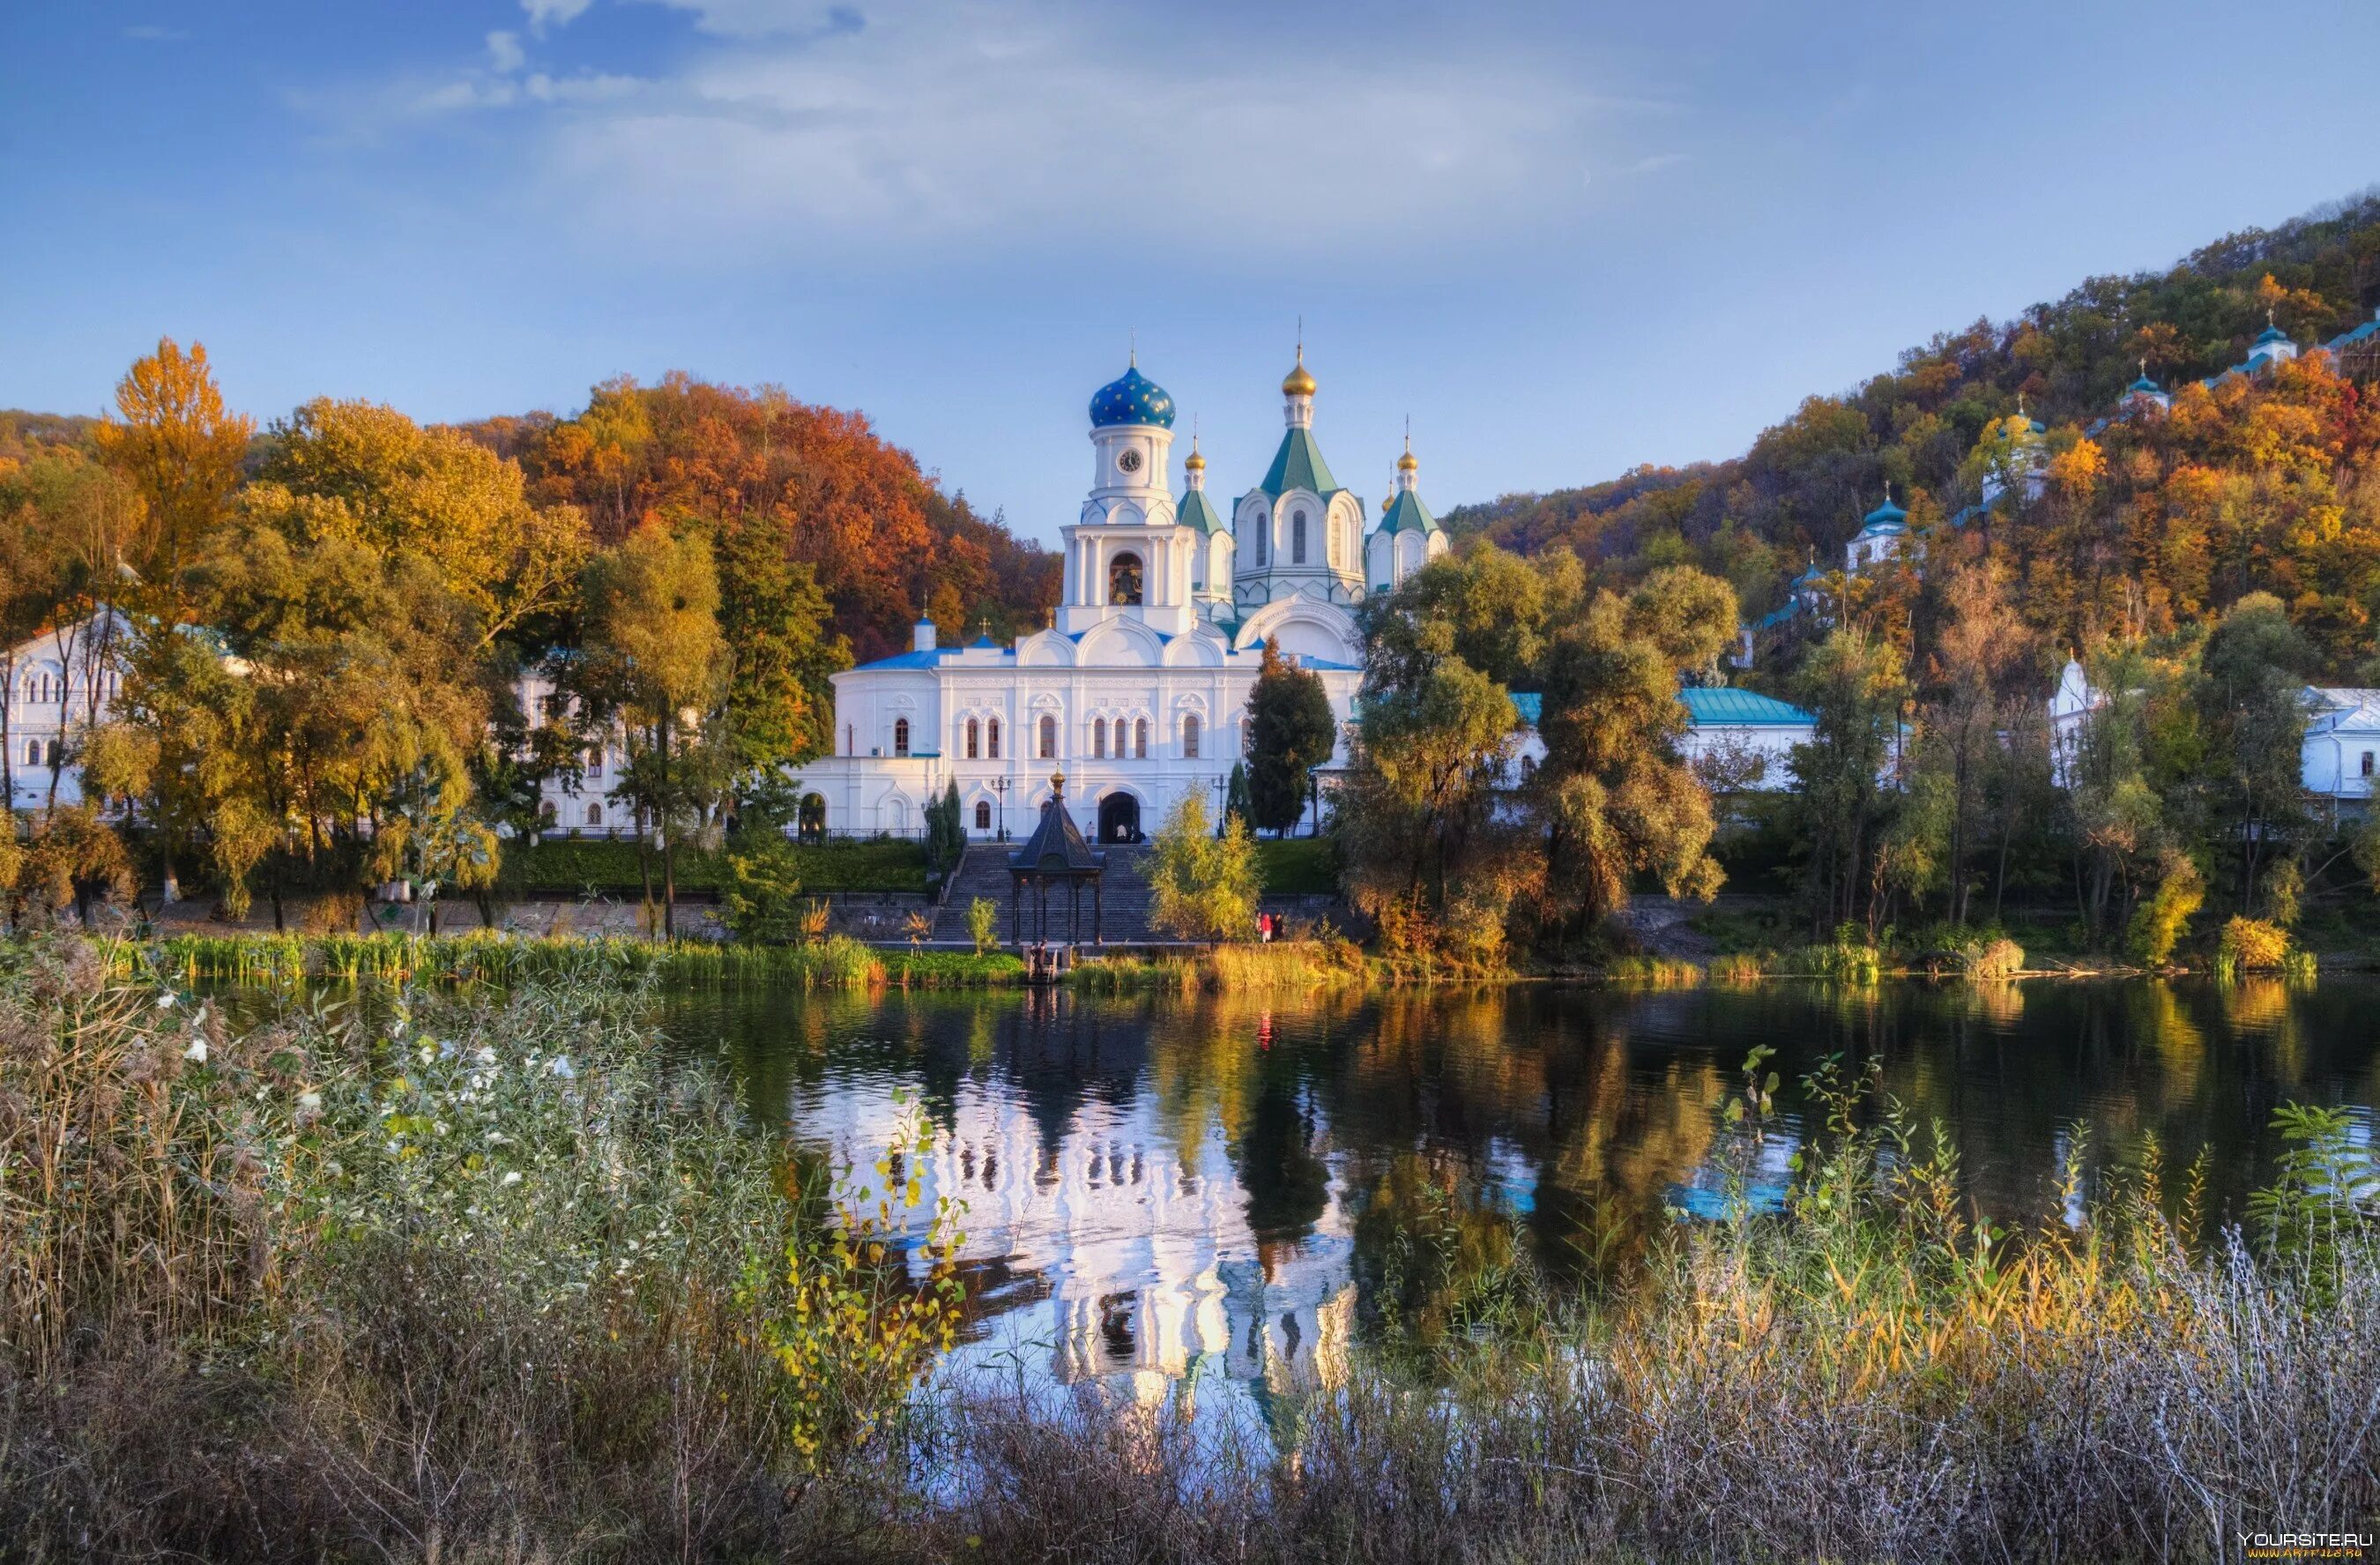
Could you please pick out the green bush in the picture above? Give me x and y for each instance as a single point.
(1298, 867)
(610, 864)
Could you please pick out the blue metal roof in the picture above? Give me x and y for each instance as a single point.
(1407, 514)
(910, 660)
(1132, 398)
(1196, 511)
(1530, 705)
(1714, 708)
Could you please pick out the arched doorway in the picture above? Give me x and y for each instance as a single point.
(810, 822)
(1119, 818)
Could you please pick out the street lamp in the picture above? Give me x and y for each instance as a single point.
(1000, 787)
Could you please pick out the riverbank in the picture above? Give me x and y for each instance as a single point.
(477, 1280)
(838, 962)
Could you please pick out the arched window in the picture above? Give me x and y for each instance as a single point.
(594, 814)
(899, 736)
(983, 815)
(1048, 738)
(1297, 538)
(595, 762)
(53, 760)
(1140, 740)
(1264, 528)
(1124, 580)
(1099, 737)
(33, 753)
(975, 734)
(993, 736)
(546, 813)
(1190, 739)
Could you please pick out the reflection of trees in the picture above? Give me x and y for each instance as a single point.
(1434, 1254)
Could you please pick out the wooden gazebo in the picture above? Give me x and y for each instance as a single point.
(1054, 855)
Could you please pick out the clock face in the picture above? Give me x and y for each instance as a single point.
(1128, 460)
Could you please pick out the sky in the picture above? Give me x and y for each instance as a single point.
(1562, 239)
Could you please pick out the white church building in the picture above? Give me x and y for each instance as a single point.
(1137, 690)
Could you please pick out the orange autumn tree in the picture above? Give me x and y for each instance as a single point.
(884, 543)
(173, 440)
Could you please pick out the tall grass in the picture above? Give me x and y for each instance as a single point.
(442, 1282)
(1866, 1374)
(1293, 964)
(838, 962)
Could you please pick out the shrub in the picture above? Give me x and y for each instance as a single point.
(2157, 925)
(983, 924)
(762, 898)
(1996, 957)
(2252, 946)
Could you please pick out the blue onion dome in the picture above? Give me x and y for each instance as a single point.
(1886, 515)
(2144, 383)
(1133, 399)
(2270, 334)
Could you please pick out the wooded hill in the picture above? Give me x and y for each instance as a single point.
(2260, 485)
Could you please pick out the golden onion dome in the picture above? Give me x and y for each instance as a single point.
(1194, 462)
(1408, 463)
(1299, 382)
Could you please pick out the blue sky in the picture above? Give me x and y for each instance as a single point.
(1566, 239)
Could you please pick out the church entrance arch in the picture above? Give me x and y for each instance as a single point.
(811, 821)
(1119, 818)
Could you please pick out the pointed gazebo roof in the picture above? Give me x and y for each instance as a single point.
(1056, 846)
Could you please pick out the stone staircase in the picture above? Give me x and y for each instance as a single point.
(983, 873)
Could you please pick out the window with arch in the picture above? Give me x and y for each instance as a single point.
(1124, 580)
(1190, 738)
(973, 736)
(1297, 538)
(899, 736)
(1140, 739)
(983, 815)
(52, 761)
(33, 753)
(546, 813)
(1263, 528)
(594, 814)
(1099, 738)
(991, 735)
(1048, 738)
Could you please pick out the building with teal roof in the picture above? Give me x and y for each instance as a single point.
(1883, 532)
(1407, 536)
(1298, 534)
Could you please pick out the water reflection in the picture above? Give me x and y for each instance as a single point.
(1155, 1185)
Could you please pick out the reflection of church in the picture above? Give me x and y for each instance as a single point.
(1138, 688)
(1123, 1237)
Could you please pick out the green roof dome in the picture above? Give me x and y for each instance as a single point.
(1132, 398)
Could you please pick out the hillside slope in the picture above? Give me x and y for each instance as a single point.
(1801, 489)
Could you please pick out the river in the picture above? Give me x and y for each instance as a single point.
(1153, 1184)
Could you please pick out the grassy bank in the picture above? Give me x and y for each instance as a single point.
(610, 864)
(837, 963)
(475, 1282)
(1283, 965)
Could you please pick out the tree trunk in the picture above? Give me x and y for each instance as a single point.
(669, 886)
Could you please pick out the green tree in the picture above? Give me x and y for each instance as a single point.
(777, 624)
(761, 900)
(1291, 731)
(1235, 798)
(1852, 685)
(945, 831)
(654, 660)
(2250, 679)
(1615, 798)
(1203, 887)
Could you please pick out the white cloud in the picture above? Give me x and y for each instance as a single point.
(1655, 162)
(1097, 129)
(543, 14)
(505, 54)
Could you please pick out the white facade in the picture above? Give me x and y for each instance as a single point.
(56, 686)
(2337, 760)
(1138, 689)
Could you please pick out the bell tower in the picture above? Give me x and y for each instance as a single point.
(1125, 556)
